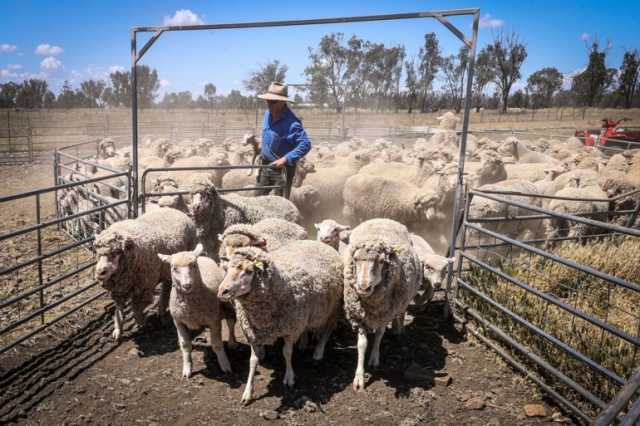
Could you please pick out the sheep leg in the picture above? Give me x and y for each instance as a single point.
(164, 298)
(303, 342)
(215, 340)
(398, 324)
(287, 352)
(374, 358)
(184, 337)
(117, 323)
(231, 325)
(247, 395)
(318, 354)
(358, 380)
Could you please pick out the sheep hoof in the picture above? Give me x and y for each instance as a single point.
(186, 372)
(289, 381)
(116, 335)
(374, 361)
(246, 398)
(358, 383)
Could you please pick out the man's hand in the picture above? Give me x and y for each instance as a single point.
(280, 162)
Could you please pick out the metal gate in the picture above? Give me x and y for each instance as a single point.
(563, 307)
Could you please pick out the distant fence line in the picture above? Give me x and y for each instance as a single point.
(26, 135)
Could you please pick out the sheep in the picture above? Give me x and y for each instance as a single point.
(399, 171)
(214, 160)
(127, 265)
(213, 213)
(531, 172)
(194, 303)
(382, 275)
(368, 197)
(558, 227)
(333, 234)
(270, 234)
(434, 268)
(284, 293)
(523, 155)
(307, 199)
(106, 149)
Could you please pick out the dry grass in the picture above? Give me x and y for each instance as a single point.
(609, 303)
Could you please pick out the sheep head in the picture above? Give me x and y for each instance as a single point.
(184, 269)
(204, 197)
(111, 249)
(247, 269)
(238, 236)
(426, 204)
(435, 269)
(370, 260)
(331, 232)
(107, 148)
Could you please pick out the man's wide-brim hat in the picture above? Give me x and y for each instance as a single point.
(276, 92)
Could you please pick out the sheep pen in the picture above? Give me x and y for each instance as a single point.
(409, 371)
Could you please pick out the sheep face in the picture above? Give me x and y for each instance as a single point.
(426, 203)
(435, 270)
(184, 268)
(240, 277)
(331, 232)
(111, 256)
(368, 270)
(201, 202)
(233, 242)
(107, 149)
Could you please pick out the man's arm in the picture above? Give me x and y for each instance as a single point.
(303, 146)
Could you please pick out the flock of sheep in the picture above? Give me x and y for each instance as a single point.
(381, 211)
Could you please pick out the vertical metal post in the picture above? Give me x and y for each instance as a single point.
(134, 126)
(9, 131)
(39, 236)
(56, 159)
(463, 147)
(29, 138)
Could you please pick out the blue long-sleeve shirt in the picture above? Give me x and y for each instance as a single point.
(284, 137)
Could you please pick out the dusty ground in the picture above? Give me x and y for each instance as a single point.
(430, 375)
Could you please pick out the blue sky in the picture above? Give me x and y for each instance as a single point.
(78, 40)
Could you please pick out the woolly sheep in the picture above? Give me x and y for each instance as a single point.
(270, 234)
(213, 213)
(127, 265)
(307, 199)
(284, 293)
(333, 234)
(194, 304)
(382, 275)
(434, 268)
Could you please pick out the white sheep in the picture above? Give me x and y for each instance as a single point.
(128, 265)
(285, 293)
(194, 304)
(382, 275)
(333, 234)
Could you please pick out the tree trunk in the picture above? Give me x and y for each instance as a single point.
(505, 100)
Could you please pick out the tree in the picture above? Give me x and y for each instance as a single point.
(507, 55)
(119, 93)
(329, 71)
(628, 77)
(210, 94)
(92, 91)
(590, 85)
(34, 93)
(178, 100)
(259, 81)
(454, 67)
(8, 93)
(66, 97)
(542, 85)
(429, 61)
(412, 84)
(483, 75)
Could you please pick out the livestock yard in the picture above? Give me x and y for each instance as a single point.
(450, 267)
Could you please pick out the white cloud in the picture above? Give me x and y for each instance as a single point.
(567, 79)
(14, 66)
(4, 73)
(7, 48)
(46, 49)
(488, 22)
(183, 17)
(585, 36)
(116, 68)
(164, 83)
(50, 63)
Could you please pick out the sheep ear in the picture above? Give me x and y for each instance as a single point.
(259, 265)
(166, 258)
(317, 226)
(342, 228)
(198, 250)
(220, 237)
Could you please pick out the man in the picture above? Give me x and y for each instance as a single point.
(284, 140)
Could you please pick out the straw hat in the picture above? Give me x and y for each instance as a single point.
(277, 92)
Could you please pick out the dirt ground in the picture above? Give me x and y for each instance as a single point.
(75, 374)
(429, 375)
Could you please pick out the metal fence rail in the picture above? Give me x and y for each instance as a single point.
(563, 320)
(51, 267)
